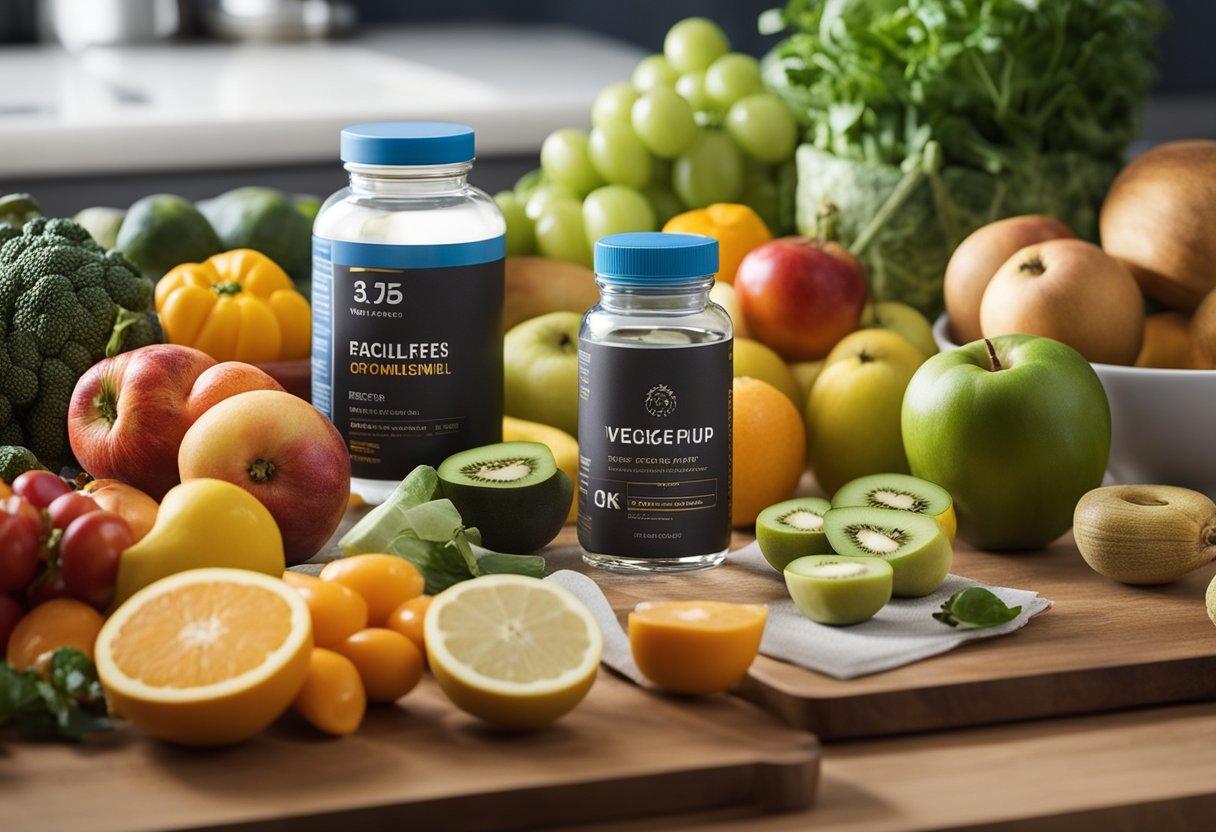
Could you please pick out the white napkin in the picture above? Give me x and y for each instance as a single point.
(904, 631)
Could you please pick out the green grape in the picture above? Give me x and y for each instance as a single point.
(560, 234)
(731, 77)
(660, 171)
(546, 195)
(691, 86)
(653, 71)
(618, 156)
(712, 171)
(563, 156)
(763, 127)
(521, 233)
(694, 43)
(664, 122)
(664, 202)
(529, 184)
(613, 104)
(615, 209)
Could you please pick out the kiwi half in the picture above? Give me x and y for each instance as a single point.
(792, 529)
(513, 492)
(835, 590)
(914, 544)
(902, 492)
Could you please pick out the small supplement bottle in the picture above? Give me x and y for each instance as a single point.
(407, 303)
(654, 418)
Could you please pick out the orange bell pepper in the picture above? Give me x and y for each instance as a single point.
(236, 306)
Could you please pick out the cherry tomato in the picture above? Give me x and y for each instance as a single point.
(40, 487)
(89, 553)
(11, 612)
(23, 508)
(337, 610)
(19, 549)
(63, 622)
(67, 507)
(332, 697)
(407, 619)
(384, 581)
(388, 662)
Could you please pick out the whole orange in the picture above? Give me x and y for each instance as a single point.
(769, 451)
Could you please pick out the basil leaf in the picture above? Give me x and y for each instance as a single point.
(974, 608)
(68, 705)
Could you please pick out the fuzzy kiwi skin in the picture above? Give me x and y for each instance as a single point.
(1145, 534)
(514, 520)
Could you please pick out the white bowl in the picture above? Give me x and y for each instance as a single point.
(1161, 422)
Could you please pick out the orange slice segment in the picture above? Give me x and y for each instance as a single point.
(206, 656)
(696, 647)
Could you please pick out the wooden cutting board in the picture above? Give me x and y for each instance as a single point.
(1102, 646)
(623, 753)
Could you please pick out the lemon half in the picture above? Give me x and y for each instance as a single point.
(514, 651)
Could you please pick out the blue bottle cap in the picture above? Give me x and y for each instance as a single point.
(654, 258)
(407, 143)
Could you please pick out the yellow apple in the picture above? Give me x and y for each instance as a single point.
(758, 361)
(853, 411)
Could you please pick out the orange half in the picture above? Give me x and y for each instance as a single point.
(696, 647)
(206, 656)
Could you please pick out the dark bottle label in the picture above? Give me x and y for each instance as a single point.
(654, 432)
(407, 350)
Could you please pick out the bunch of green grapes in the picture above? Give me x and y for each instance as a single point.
(693, 126)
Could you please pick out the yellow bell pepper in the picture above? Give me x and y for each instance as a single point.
(236, 306)
(737, 228)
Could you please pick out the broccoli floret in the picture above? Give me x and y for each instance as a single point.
(65, 304)
(16, 460)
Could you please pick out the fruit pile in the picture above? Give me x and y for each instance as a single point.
(692, 127)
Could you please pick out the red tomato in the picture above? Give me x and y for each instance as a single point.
(89, 553)
(40, 487)
(67, 507)
(11, 612)
(19, 549)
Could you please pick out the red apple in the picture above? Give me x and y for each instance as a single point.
(128, 415)
(976, 260)
(223, 381)
(279, 448)
(800, 296)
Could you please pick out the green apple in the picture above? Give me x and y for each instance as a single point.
(852, 414)
(540, 370)
(1016, 428)
(758, 361)
(903, 320)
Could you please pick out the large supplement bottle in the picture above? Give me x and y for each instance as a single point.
(407, 303)
(654, 417)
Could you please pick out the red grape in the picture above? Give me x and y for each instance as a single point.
(10, 613)
(18, 552)
(47, 586)
(89, 553)
(67, 507)
(40, 487)
(22, 508)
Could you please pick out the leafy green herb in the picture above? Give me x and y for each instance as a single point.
(67, 705)
(431, 535)
(925, 119)
(975, 607)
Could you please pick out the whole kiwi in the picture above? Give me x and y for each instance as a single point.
(1145, 534)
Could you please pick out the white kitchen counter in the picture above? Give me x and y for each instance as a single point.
(198, 105)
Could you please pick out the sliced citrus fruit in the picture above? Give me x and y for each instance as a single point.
(696, 647)
(515, 651)
(206, 656)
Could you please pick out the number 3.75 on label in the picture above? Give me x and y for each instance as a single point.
(380, 293)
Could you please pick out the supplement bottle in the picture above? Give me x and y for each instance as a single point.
(407, 303)
(654, 421)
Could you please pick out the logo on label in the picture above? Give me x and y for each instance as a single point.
(660, 400)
